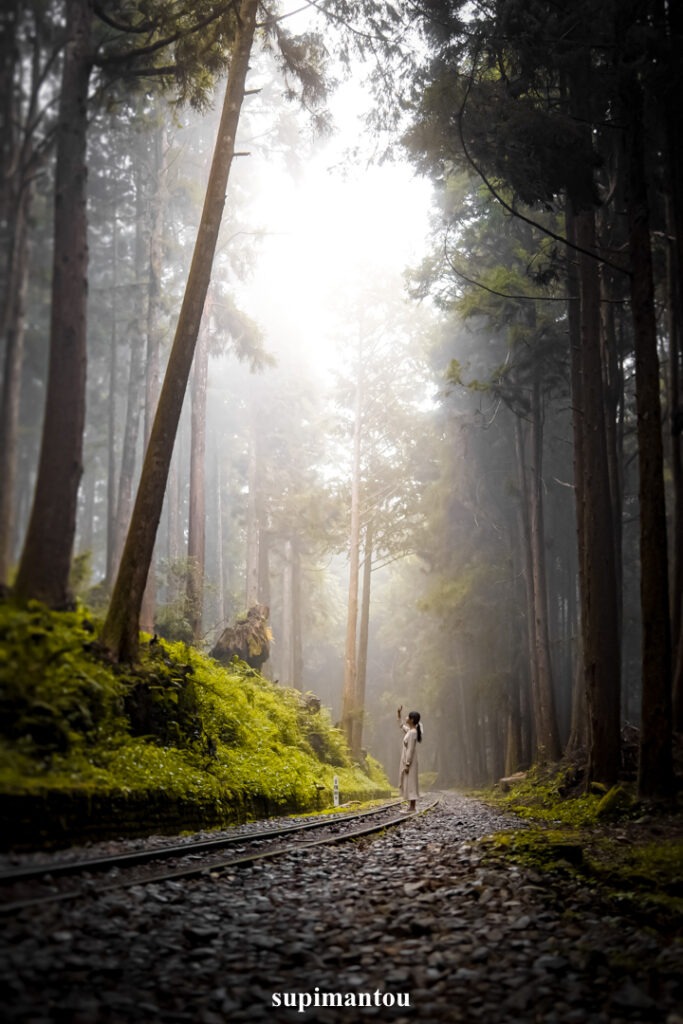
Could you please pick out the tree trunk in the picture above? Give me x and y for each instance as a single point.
(112, 418)
(656, 765)
(43, 571)
(196, 532)
(13, 330)
(525, 545)
(157, 206)
(577, 730)
(578, 733)
(291, 655)
(253, 523)
(363, 637)
(120, 632)
(14, 204)
(297, 628)
(513, 731)
(349, 708)
(599, 617)
(613, 391)
(547, 740)
(175, 531)
(286, 649)
(676, 407)
(136, 335)
(86, 531)
(220, 556)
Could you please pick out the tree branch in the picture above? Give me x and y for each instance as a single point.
(511, 209)
(502, 295)
(144, 26)
(160, 44)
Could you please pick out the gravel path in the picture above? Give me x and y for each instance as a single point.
(410, 926)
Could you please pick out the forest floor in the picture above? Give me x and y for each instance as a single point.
(461, 914)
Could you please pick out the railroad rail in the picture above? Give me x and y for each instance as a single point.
(37, 884)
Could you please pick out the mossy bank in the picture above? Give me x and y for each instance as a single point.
(629, 853)
(89, 749)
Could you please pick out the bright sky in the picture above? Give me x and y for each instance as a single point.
(339, 224)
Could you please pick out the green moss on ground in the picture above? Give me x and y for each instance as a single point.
(630, 855)
(176, 727)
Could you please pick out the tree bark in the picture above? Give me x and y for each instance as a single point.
(547, 740)
(286, 648)
(655, 776)
(157, 207)
(291, 663)
(349, 708)
(14, 206)
(196, 531)
(253, 523)
(599, 616)
(112, 418)
(220, 554)
(136, 335)
(13, 330)
(363, 637)
(120, 631)
(297, 627)
(43, 571)
(524, 531)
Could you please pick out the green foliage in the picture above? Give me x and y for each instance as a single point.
(54, 691)
(176, 723)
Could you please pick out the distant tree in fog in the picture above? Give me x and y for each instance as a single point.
(562, 127)
(112, 44)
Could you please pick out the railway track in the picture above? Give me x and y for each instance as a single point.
(37, 884)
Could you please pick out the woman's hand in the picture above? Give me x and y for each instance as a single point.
(399, 712)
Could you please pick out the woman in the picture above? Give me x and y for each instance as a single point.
(409, 785)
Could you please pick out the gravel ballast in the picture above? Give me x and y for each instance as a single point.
(413, 925)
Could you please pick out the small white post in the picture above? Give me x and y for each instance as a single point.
(335, 789)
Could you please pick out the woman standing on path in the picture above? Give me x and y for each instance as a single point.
(409, 785)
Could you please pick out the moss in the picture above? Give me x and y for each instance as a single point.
(176, 724)
(595, 838)
(614, 803)
(539, 849)
(553, 794)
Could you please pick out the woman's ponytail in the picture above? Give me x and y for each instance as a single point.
(414, 716)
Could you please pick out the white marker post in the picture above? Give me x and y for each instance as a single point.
(335, 790)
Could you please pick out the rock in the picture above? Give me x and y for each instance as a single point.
(630, 997)
(468, 938)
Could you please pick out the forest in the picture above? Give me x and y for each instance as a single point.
(464, 493)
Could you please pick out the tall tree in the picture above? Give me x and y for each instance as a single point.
(351, 710)
(43, 571)
(196, 530)
(656, 764)
(46, 559)
(121, 627)
(29, 44)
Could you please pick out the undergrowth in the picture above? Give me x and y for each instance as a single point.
(176, 722)
(631, 857)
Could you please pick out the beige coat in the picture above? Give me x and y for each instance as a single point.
(408, 783)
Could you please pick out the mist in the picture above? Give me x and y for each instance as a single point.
(387, 440)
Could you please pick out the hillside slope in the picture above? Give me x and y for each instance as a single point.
(88, 748)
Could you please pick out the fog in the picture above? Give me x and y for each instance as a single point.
(414, 431)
